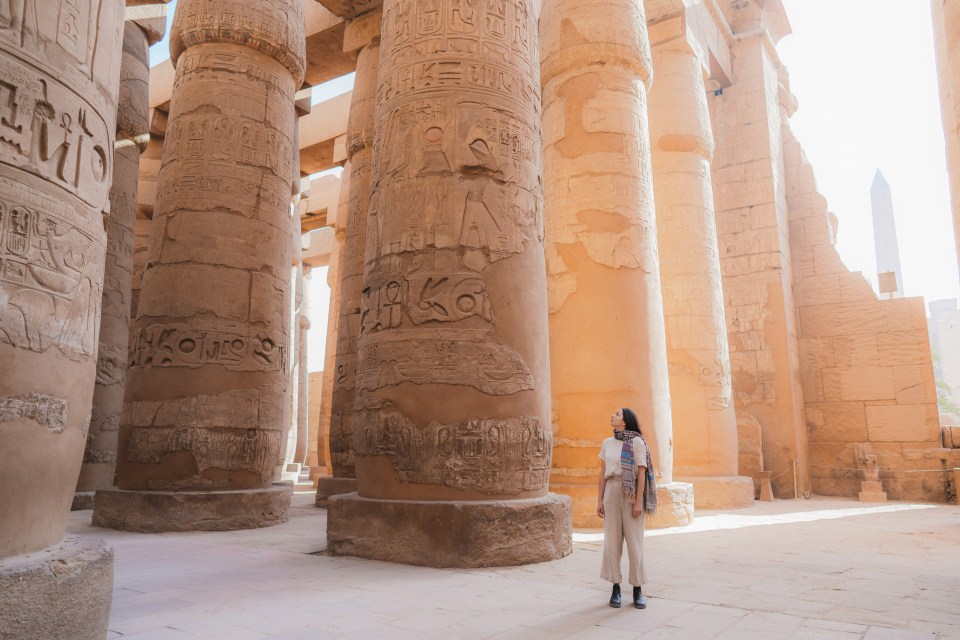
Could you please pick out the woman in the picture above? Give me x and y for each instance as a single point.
(626, 491)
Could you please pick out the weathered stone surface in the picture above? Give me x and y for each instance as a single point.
(59, 65)
(160, 511)
(725, 492)
(674, 506)
(59, 593)
(332, 486)
(451, 534)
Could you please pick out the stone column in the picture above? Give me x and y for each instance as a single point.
(329, 359)
(100, 454)
(452, 433)
(303, 373)
(208, 387)
(59, 79)
(946, 27)
(606, 314)
(350, 267)
(704, 418)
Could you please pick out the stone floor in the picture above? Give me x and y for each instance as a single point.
(820, 568)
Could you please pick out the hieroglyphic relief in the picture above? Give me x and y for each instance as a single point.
(246, 450)
(187, 345)
(489, 455)
(46, 410)
(50, 280)
(437, 356)
(235, 430)
(49, 130)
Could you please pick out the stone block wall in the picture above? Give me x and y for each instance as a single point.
(866, 367)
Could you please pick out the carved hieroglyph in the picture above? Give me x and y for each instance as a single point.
(704, 418)
(100, 455)
(453, 386)
(59, 73)
(359, 153)
(208, 384)
(606, 319)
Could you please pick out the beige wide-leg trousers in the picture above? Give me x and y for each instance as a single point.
(620, 526)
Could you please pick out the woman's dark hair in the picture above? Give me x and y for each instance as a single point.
(630, 421)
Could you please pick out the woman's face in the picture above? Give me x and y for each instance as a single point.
(616, 420)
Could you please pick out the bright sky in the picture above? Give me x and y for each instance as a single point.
(864, 74)
(865, 77)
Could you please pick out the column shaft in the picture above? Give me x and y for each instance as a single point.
(705, 422)
(100, 455)
(606, 316)
(350, 272)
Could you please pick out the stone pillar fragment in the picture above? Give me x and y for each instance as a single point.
(704, 418)
(59, 79)
(360, 128)
(100, 454)
(451, 421)
(208, 386)
(606, 316)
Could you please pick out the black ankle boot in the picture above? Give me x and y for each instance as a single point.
(638, 600)
(615, 597)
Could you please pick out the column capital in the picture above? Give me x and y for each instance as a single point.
(273, 28)
(349, 8)
(149, 15)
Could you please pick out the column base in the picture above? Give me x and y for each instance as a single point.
(82, 500)
(495, 533)
(722, 492)
(60, 593)
(674, 506)
(161, 511)
(330, 486)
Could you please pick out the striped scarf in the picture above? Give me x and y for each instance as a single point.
(628, 471)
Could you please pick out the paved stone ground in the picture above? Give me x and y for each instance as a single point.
(821, 568)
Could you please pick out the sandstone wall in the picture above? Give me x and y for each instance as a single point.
(866, 367)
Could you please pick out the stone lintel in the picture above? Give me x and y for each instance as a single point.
(330, 486)
(161, 511)
(64, 591)
(350, 8)
(722, 492)
(149, 16)
(493, 533)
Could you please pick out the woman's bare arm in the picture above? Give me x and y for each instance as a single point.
(601, 485)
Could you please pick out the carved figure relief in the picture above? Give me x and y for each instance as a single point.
(50, 281)
(486, 454)
(442, 356)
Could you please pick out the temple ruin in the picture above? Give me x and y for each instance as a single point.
(547, 210)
